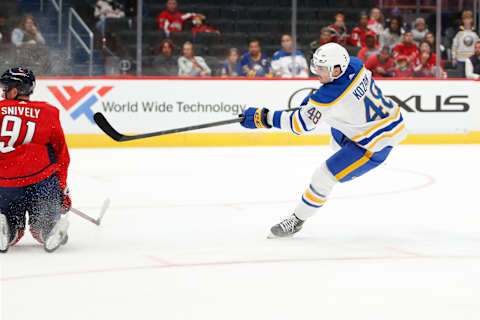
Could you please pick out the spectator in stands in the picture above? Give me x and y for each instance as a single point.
(5, 31)
(190, 65)
(357, 37)
(107, 9)
(472, 64)
(381, 64)
(339, 30)
(419, 31)
(254, 63)
(27, 33)
(282, 62)
(464, 42)
(430, 37)
(403, 68)
(172, 20)
(426, 61)
(376, 21)
(371, 47)
(166, 63)
(232, 67)
(325, 37)
(198, 26)
(392, 35)
(407, 47)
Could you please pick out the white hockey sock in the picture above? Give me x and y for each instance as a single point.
(316, 194)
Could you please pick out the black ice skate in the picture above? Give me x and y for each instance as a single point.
(58, 235)
(4, 233)
(286, 228)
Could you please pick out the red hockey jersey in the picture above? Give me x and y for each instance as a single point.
(172, 21)
(32, 144)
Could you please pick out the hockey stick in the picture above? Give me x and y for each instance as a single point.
(106, 127)
(85, 216)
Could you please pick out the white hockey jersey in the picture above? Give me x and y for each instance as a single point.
(282, 65)
(463, 44)
(352, 104)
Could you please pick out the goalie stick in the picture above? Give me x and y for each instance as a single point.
(106, 127)
(85, 216)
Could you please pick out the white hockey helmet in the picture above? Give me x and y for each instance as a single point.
(327, 57)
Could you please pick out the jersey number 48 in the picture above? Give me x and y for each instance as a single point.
(373, 110)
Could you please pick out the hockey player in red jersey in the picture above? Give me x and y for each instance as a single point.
(34, 162)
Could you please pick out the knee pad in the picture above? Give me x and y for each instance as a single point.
(317, 192)
(323, 180)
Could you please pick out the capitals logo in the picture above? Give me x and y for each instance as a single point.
(71, 99)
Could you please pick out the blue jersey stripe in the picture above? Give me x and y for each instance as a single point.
(318, 194)
(379, 132)
(308, 203)
(302, 122)
(277, 117)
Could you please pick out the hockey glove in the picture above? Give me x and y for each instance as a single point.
(66, 200)
(255, 118)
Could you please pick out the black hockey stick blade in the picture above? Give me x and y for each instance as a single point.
(106, 127)
(103, 124)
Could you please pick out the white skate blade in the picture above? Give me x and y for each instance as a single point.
(57, 235)
(4, 237)
(272, 236)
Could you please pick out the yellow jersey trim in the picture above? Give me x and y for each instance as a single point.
(357, 164)
(381, 123)
(341, 96)
(313, 198)
(385, 136)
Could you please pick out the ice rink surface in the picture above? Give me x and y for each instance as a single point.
(185, 238)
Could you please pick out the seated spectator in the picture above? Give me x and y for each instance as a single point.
(198, 26)
(325, 37)
(472, 64)
(464, 42)
(430, 37)
(232, 67)
(27, 33)
(426, 62)
(371, 47)
(282, 62)
(5, 31)
(107, 9)
(165, 63)
(403, 68)
(254, 63)
(172, 20)
(376, 21)
(190, 65)
(392, 35)
(419, 31)
(357, 37)
(339, 30)
(407, 47)
(381, 64)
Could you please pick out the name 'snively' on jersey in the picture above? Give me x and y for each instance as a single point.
(21, 111)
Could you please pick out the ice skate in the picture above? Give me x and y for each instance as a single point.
(286, 228)
(58, 236)
(4, 233)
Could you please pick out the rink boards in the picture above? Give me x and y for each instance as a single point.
(436, 111)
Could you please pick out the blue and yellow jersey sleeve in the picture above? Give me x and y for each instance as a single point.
(319, 102)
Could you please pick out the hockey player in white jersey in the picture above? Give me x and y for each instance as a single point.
(365, 127)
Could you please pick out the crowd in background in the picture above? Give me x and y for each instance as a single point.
(389, 48)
